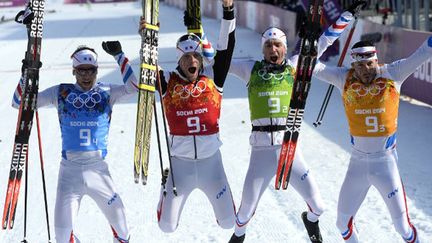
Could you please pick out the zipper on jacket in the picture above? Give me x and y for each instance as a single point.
(195, 147)
(271, 133)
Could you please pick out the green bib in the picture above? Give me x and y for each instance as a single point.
(269, 92)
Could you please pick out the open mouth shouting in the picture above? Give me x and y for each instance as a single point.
(274, 59)
(192, 70)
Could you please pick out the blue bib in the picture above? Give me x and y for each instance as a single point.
(84, 118)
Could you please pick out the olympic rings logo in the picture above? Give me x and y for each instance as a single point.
(373, 89)
(84, 99)
(186, 91)
(267, 76)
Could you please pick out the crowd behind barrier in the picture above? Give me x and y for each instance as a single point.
(12, 3)
(258, 16)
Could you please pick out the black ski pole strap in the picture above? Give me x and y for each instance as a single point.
(270, 128)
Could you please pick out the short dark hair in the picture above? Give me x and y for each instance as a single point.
(83, 47)
(362, 44)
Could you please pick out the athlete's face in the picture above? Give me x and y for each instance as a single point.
(274, 51)
(366, 70)
(85, 76)
(190, 64)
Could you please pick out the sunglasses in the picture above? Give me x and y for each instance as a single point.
(86, 71)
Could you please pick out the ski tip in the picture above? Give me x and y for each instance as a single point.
(11, 224)
(315, 124)
(144, 181)
(175, 191)
(5, 221)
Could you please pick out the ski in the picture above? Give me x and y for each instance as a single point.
(306, 63)
(149, 55)
(193, 8)
(32, 17)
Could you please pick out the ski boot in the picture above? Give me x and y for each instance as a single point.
(237, 239)
(312, 229)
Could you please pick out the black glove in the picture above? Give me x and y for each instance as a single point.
(24, 66)
(356, 6)
(187, 19)
(112, 47)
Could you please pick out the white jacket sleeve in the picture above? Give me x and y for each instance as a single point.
(331, 74)
(130, 86)
(333, 32)
(401, 69)
(45, 98)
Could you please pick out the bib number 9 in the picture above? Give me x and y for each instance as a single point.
(275, 106)
(372, 123)
(194, 125)
(85, 136)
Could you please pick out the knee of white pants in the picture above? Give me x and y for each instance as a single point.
(353, 239)
(120, 240)
(402, 226)
(345, 224)
(342, 221)
(316, 205)
(245, 212)
(167, 227)
(63, 235)
(120, 234)
(227, 223)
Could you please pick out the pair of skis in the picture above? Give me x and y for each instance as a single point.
(34, 15)
(302, 82)
(148, 77)
(147, 81)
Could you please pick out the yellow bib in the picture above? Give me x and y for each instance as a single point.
(372, 110)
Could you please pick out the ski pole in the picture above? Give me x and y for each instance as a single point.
(43, 176)
(330, 88)
(25, 201)
(165, 129)
(159, 148)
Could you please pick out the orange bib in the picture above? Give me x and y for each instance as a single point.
(372, 110)
(192, 108)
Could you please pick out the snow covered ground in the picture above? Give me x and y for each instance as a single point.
(277, 218)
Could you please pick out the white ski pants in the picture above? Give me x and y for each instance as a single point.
(378, 170)
(94, 180)
(207, 175)
(262, 168)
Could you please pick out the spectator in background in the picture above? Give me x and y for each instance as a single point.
(295, 6)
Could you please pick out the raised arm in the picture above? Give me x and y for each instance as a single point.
(401, 69)
(333, 32)
(130, 85)
(336, 29)
(225, 44)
